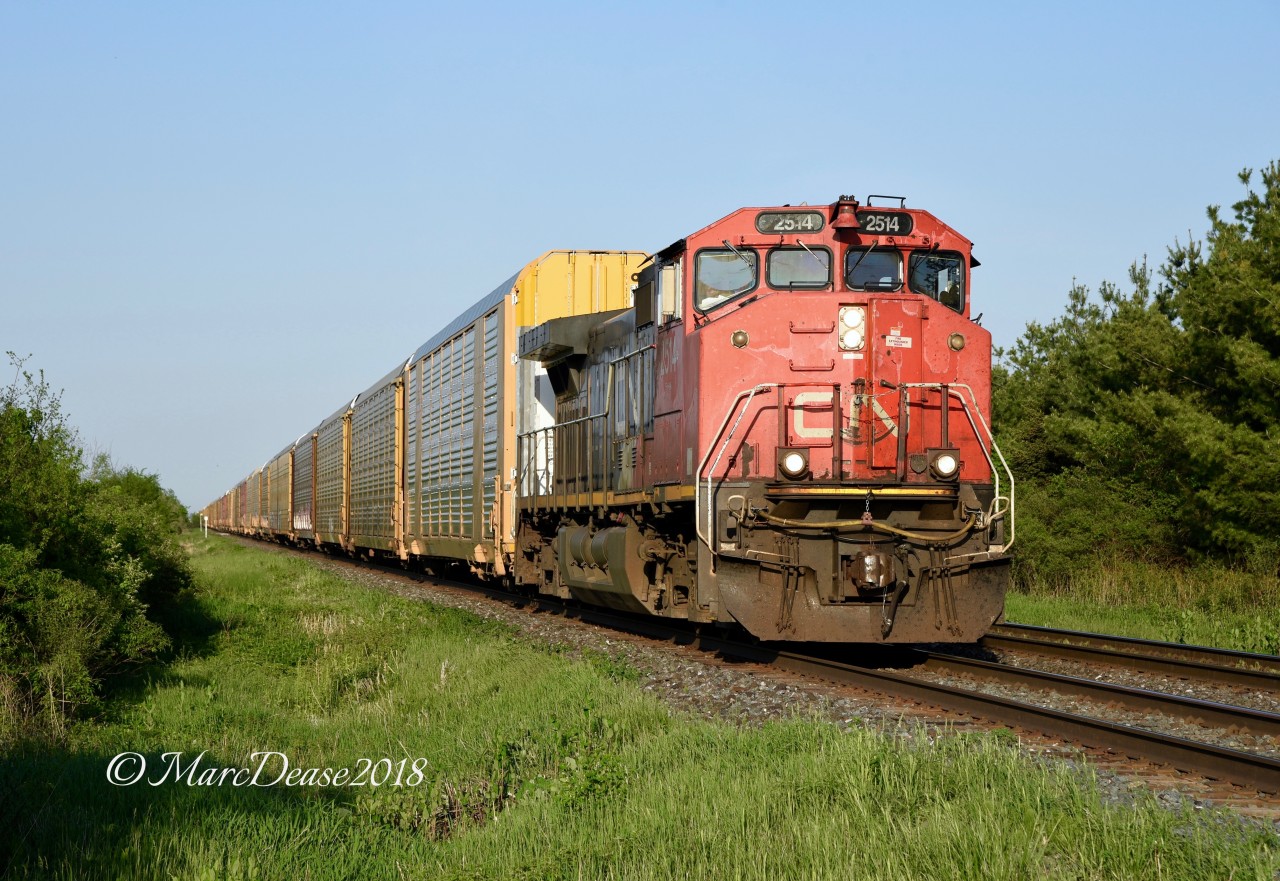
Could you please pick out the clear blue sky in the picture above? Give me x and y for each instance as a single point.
(190, 191)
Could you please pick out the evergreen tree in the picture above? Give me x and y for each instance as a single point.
(1145, 423)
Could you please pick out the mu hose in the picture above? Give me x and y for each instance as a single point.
(878, 525)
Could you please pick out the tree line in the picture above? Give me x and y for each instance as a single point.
(1145, 421)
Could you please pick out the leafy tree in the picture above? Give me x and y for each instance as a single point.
(39, 464)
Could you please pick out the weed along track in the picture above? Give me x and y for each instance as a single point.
(1206, 752)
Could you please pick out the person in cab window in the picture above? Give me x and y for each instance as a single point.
(951, 296)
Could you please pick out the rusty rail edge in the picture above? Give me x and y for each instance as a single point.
(1239, 768)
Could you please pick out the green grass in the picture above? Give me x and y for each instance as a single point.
(1206, 605)
(538, 765)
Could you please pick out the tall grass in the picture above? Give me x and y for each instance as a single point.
(1209, 604)
(538, 765)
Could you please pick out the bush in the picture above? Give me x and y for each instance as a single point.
(86, 560)
(1070, 522)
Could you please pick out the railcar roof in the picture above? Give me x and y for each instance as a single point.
(389, 378)
(479, 308)
(336, 414)
(483, 305)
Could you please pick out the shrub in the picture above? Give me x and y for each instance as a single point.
(85, 561)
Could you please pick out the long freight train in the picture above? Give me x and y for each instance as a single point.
(779, 421)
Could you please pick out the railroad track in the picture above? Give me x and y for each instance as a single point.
(1198, 663)
(1250, 771)
(1188, 709)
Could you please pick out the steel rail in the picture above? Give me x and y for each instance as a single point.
(1202, 712)
(1259, 680)
(1195, 653)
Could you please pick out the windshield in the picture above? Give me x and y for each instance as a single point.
(722, 275)
(875, 269)
(939, 276)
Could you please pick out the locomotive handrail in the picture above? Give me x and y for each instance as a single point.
(996, 509)
(697, 477)
(529, 464)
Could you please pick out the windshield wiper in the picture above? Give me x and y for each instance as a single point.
(743, 257)
(740, 256)
(849, 275)
(791, 285)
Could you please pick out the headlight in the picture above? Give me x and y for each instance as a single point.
(853, 320)
(793, 463)
(945, 465)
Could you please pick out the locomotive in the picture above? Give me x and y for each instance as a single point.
(778, 422)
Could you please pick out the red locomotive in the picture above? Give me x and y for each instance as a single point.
(787, 430)
(778, 421)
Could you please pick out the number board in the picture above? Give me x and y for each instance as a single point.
(789, 221)
(885, 223)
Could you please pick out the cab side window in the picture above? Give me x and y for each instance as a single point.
(939, 276)
(722, 275)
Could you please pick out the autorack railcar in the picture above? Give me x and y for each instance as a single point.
(421, 463)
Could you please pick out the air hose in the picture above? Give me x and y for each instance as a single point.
(877, 525)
